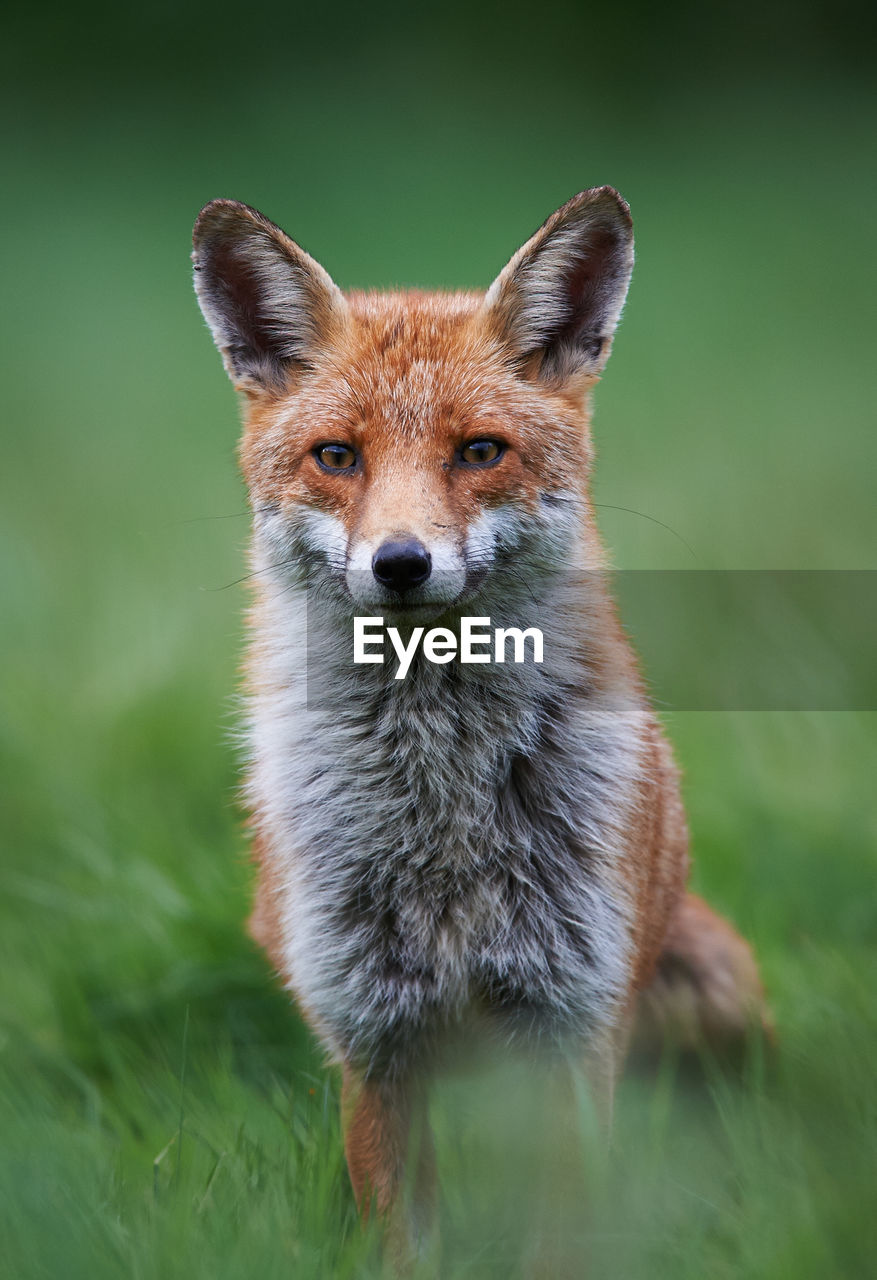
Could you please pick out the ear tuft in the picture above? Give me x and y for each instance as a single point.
(557, 302)
(269, 305)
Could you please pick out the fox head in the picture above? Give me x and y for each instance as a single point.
(414, 451)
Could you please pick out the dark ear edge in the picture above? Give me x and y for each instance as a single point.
(269, 305)
(556, 304)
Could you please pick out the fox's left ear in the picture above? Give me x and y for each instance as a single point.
(557, 302)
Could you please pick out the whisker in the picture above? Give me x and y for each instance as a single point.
(255, 573)
(234, 515)
(611, 506)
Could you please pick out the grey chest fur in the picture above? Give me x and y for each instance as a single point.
(451, 847)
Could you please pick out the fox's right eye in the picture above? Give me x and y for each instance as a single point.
(335, 457)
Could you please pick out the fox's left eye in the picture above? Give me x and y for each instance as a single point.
(335, 457)
(480, 453)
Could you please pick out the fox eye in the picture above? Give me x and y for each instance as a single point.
(480, 453)
(335, 457)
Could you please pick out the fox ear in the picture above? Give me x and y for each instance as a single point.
(269, 305)
(557, 302)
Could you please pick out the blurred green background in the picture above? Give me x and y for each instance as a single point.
(163, 1114)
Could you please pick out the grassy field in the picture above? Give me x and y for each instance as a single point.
(162, 1112)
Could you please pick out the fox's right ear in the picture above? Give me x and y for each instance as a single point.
(269, 305)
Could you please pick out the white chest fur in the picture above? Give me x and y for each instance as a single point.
(444, 842)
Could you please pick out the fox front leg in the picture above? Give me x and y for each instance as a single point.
(390, 1156)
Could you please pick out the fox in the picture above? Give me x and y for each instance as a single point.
(482, 848)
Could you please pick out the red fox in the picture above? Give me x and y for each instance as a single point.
(482, 844)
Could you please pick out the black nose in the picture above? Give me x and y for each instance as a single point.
(401, 565)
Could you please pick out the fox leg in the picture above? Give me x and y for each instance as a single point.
(562, 1162)
(391, 1161)
(705, 991)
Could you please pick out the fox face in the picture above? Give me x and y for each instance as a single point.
(408, 453)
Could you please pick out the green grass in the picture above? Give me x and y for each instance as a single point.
(163, 1112)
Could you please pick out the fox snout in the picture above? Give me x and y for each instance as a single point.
(401, 564)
